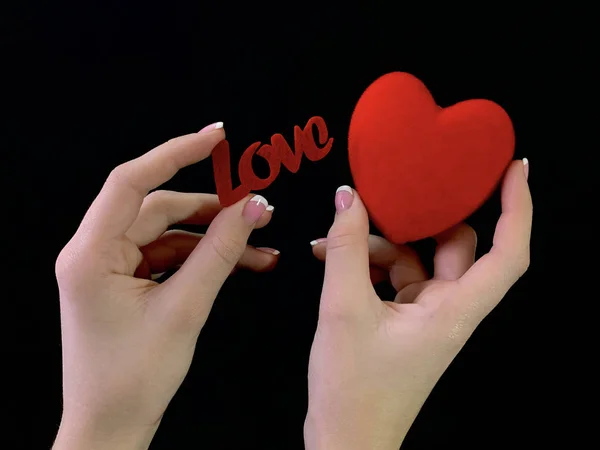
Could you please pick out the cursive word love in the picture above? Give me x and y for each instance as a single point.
(276, 153)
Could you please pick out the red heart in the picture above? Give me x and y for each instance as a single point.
(421, 169)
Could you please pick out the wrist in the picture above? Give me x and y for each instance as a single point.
(76, 435)
(357, 433)
(320, 436)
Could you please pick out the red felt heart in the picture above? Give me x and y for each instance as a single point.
(421, 169)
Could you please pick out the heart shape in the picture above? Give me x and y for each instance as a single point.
(419, 168)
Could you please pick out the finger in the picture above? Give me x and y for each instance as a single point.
(195, 286)
(376, 274)
(455, 252)
(347, 283)
(493, 274)
(401, 264)
(174, 247)
(117, 206)
(161, 209)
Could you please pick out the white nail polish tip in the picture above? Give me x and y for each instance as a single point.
(218, 125)
(272, 251)
(344, 188)
(260, 199)
(525, 161)
(313, 243)
(270, 208)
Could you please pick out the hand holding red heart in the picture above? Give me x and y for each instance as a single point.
(373, 363)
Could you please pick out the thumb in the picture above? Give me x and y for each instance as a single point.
(347, 280)
(198, 281)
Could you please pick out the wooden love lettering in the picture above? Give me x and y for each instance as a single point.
(276, 153)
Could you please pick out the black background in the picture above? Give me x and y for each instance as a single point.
(91, 85)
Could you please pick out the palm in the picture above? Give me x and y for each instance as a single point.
(401, 265)
(418, 292)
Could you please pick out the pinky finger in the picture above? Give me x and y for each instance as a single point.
(174, 247)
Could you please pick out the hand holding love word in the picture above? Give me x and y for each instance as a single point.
(128, 341)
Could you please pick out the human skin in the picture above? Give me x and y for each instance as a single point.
(128, 340)
(373, 363)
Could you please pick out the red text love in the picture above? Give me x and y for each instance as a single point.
(276, 153)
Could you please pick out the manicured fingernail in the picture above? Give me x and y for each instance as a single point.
(254, 208)
(270, 208)
(526, 167)
(343, 198)
(211, 127)
(270, 250)
(317, 241)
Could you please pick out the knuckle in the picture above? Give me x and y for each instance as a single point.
(62, 263)
(119, 173)
(227, 249)
(519, 265)
(177, 140)
(77, 262)
(522, 264)
(157, 199)
(341, 239)
(67, 263)
(157, 196)
(131, 174)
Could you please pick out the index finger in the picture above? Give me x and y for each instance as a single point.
(493, 275)
(117, 205)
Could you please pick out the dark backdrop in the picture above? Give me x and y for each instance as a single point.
(90, 85)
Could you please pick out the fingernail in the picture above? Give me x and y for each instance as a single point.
(343, 198)
(211, 127)
(526, 167)
(317, 241)
(254, 208)
(270, 208)
(270, 250)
